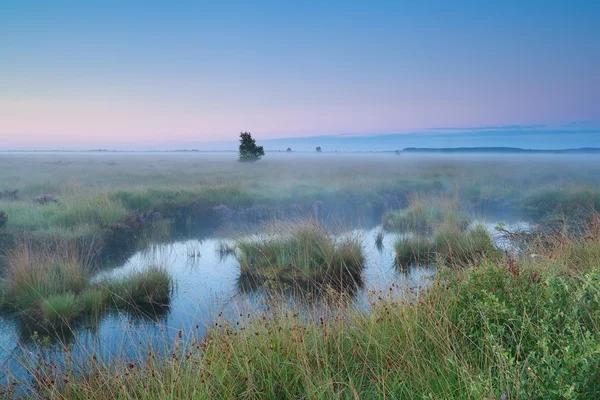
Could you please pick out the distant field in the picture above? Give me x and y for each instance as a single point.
(97, 190)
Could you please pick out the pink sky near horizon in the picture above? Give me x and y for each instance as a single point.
(104, 123)
(111, 74)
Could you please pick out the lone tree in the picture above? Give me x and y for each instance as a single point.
(318, 149)
(249, 151)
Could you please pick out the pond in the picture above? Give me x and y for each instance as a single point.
(206, 286)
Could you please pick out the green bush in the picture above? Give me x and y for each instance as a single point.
(92, 300)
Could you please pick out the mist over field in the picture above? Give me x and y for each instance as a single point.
(299, 200)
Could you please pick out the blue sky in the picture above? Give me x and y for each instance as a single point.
(127, 74)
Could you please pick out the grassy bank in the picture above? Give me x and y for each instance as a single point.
(502, 329)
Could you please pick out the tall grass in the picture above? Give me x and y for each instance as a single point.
(304, 252)
(448, 245)
(95, 192)
(426, 214)
(35, 273)
(51, 285)
(151, 286)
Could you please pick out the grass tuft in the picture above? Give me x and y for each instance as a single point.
(59, 309)
(306, 253)
(425, 215)
(449, 246)
(33, 274)
(152, 286)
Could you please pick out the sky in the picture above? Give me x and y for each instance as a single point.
(171, 74)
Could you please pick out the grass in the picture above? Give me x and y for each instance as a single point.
(449, 246)
(501, 328)
(93, 299)
(59, 309)
(304, 252)
(495, 326)
(424, 215)
(34, 274)
(379, 239)
(548, 203)
(102, 189)
(152, 286)
(225, 249)
(50, 286)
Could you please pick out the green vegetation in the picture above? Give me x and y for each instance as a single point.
(35, 274)
(303, 253)
(225, 249)
(97, 193)
(424, 215)
(59, 309)
(3, 218)
(500, 328)
(448, 246)
(249, 151)
(50, 286)
(490, 325)
(141, 288)
(570, 204)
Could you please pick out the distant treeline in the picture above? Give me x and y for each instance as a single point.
(585, 150)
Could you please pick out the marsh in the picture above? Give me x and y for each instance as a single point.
(322, 235)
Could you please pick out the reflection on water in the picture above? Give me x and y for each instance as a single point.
(208, 282)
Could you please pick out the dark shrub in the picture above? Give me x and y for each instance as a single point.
(249, 151)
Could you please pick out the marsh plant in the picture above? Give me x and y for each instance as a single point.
(51, 285)
(225, 249)
(302, 252)
(449, 246)
(379, 240)
(426, 214)
(151, 286)
(9, 194)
